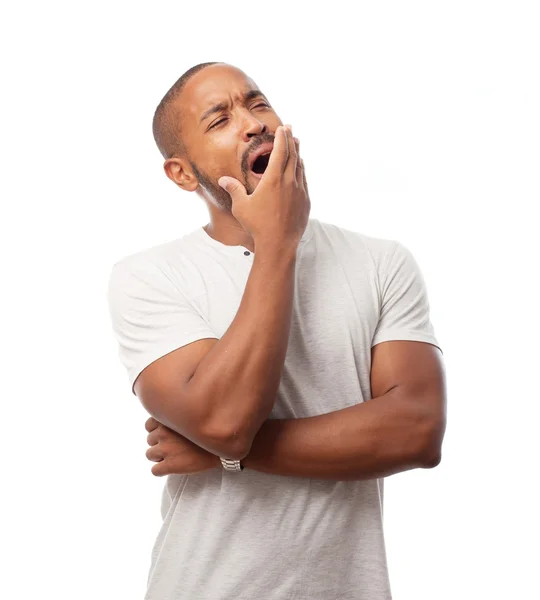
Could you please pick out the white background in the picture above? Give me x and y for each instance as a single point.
(418, 121)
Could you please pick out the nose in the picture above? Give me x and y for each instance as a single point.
(253, 127)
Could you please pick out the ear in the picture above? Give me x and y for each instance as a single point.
(178, 171)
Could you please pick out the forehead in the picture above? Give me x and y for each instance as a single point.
(210, 86)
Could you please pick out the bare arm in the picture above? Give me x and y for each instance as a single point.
(240, 376)
(400, 429)
(377, 438)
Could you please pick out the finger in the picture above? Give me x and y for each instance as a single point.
(299, 178)
(278, 156)
(290, 168)
(153, 437)
(151, 424)
(304, 180)
(233, 186)
(161, 468)
(154, 453)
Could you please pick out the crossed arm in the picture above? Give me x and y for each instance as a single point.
(400, 428)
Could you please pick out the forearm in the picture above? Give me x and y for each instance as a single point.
(376, 438)
(239, 378)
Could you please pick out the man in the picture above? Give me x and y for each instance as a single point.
(288, 365)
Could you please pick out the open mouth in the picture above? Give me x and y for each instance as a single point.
(260, 164)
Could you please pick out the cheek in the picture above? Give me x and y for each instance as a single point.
(214, 161)
(227, 165)
(224, 154)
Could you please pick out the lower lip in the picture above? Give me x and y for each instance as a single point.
(257, 175)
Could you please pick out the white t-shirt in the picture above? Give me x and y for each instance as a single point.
(241, 536)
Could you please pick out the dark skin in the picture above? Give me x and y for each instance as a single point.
(220, 144)
(401, 427)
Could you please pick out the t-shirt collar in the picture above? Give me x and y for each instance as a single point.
(201, 234)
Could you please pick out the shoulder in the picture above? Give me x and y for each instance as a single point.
(378, 250)
(172, 260)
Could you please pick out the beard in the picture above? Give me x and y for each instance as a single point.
(215, 193)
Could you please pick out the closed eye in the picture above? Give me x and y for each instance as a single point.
(217, 123)
(225, 118)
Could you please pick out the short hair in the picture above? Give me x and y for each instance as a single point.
(166, 124)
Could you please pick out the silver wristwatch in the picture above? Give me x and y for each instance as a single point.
(231, 465)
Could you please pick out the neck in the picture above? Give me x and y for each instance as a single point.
(228, 231)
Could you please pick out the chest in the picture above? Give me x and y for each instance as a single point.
(334, 316)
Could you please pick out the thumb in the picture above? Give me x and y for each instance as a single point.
(233, 186)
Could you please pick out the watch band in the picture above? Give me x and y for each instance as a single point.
(231, 465)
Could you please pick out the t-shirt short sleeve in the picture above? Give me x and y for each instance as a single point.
(404, 312)
(150, 315)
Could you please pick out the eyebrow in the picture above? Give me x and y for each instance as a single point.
(249, 95)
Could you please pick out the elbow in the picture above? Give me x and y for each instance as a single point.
(230, 444)
(431, 460)
(431, 453)
(234, 439)
(235, 446)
